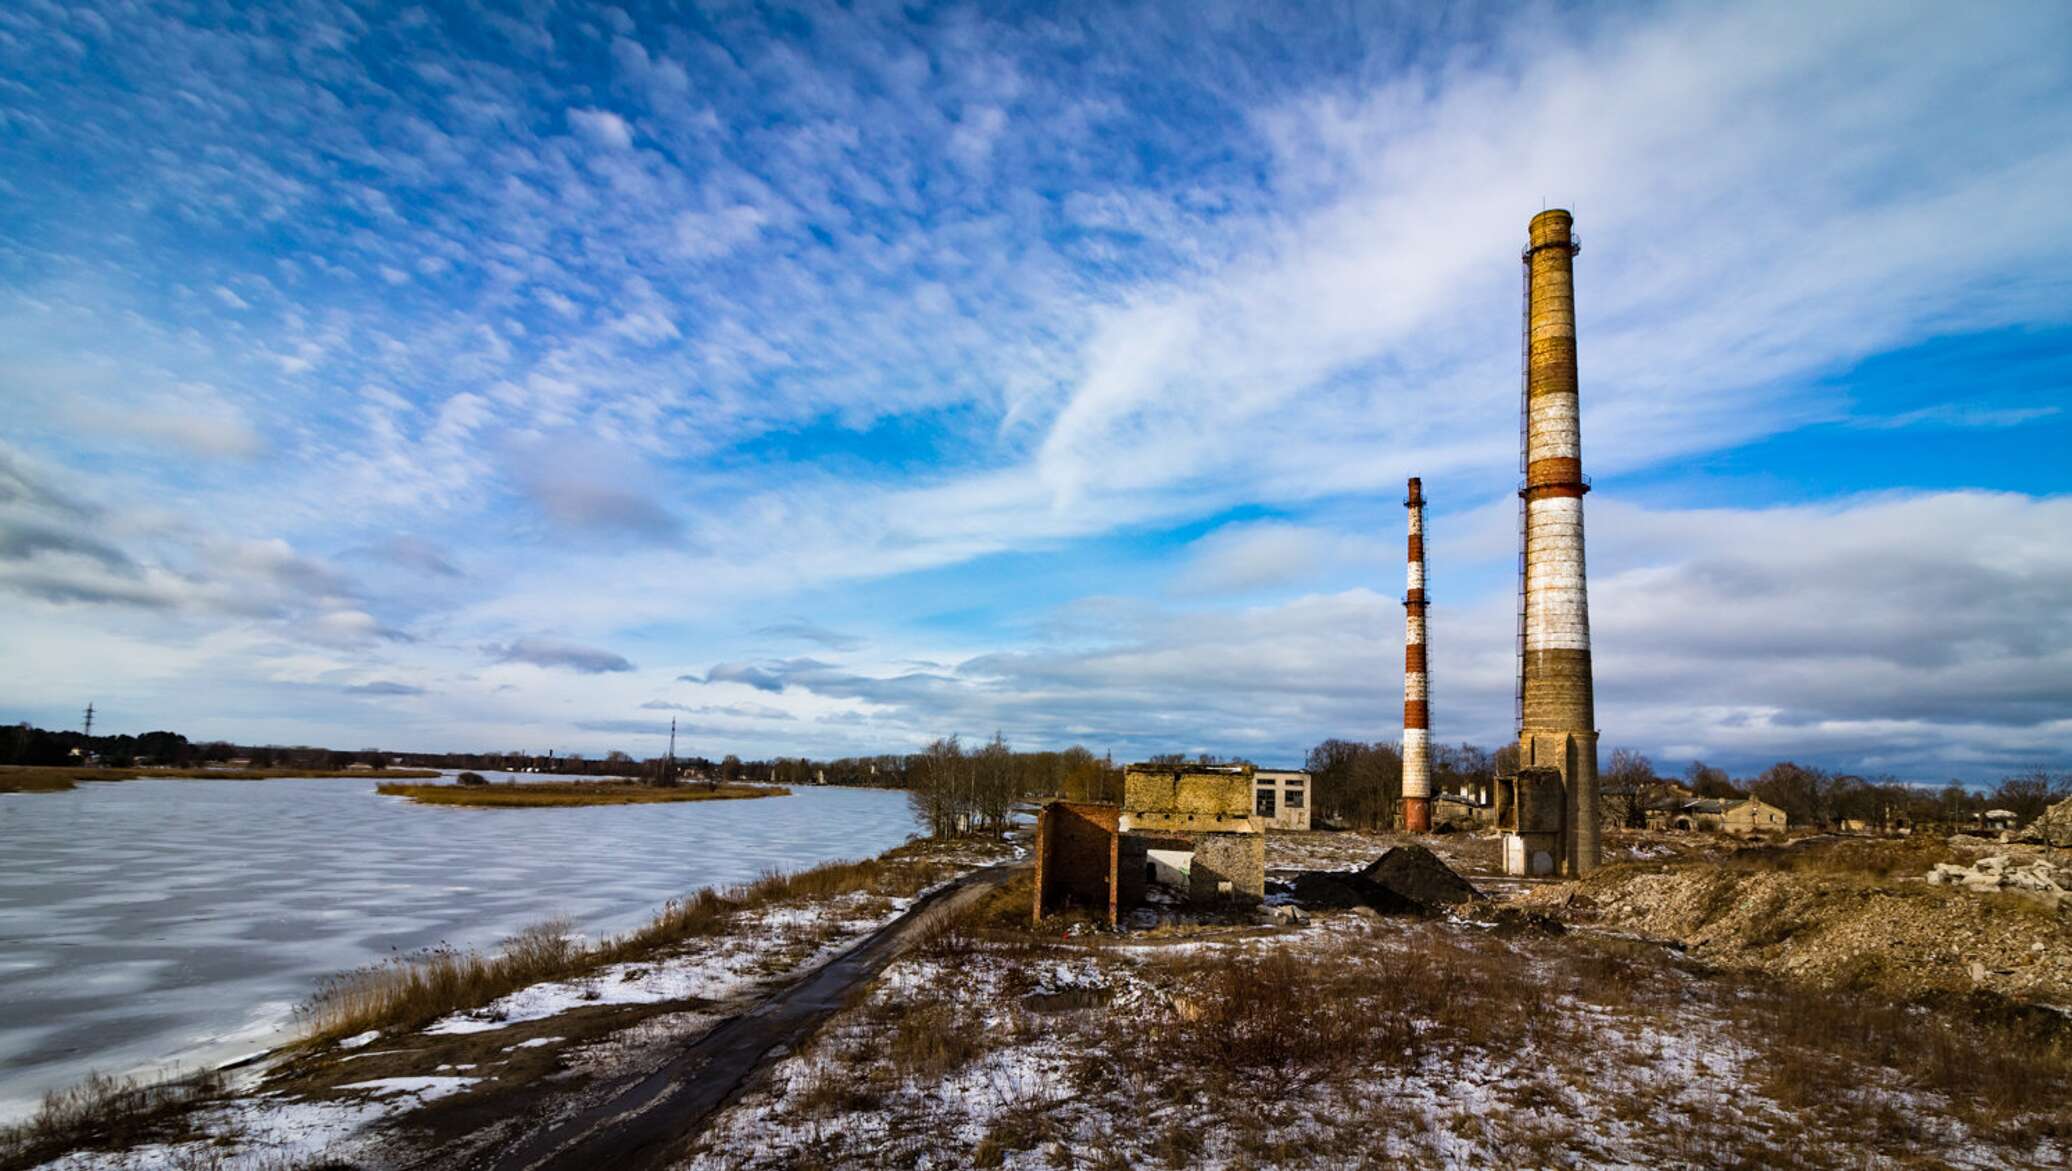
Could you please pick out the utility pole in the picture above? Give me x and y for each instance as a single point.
(89, 719)
(669, 769)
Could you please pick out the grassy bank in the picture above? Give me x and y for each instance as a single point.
(38, 779)
(542, 794)
(417, 989)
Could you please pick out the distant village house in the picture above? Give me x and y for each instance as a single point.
(1741, 816)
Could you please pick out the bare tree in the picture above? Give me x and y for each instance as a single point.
(1628, 787)
(1707, 781)
(941, 788)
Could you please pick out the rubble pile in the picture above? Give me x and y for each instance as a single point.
(2054, 828)
(2036, 878)
(1417, 874)
(1404, 880)
(1898, 934)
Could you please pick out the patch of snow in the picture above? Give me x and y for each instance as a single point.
(425, 1089)
(366, 1038)
(711, 976)
(535, 1043)
(268, 1131)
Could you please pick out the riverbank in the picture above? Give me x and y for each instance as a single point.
(455, 1052)
(561, 794)
(40, 779)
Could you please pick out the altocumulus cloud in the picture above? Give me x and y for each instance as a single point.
(692, 326)
(384, 687)
(547, 652)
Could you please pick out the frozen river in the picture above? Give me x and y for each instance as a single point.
(161, 921)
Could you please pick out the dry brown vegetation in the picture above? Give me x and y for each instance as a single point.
(39, 779)
(418, 988)
(528, 795)
(1385, 1044)
(107, 1113)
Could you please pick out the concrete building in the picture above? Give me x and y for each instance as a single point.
(1417, 713)
(1188, 832)
(1557, 830)
(1281, 798)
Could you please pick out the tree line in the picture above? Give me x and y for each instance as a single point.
(1816, 797)
(955, 788)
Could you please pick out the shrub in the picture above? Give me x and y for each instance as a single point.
(106, 1113)
(471, 779)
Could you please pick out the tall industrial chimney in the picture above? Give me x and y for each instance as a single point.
(1557, 714)
(1417, 715)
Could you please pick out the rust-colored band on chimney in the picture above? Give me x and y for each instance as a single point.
(1557, 469)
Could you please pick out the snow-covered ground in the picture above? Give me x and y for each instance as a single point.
(732, 965)
(1537, 1050)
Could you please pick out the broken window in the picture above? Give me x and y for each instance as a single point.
(1266, 802)
(1293, 800)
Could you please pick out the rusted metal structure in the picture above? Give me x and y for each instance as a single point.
(1557, 711)
(1417, 714)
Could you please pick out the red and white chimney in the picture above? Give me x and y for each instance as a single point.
(1417, 715)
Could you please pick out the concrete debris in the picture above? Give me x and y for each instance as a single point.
(1286, 915)
(2053, 828)
(2037, 878)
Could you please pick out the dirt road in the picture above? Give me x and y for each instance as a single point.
(649, 1121)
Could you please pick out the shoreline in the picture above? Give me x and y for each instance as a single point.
(64, 778)
(570, 794)
(775, 930)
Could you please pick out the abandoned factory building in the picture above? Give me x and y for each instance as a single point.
(1189, 832)
(1281, 798)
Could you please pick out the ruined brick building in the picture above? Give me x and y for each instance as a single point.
(1189, 832)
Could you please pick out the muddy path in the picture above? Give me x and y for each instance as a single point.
(648, 1120)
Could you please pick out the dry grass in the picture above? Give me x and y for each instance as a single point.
(106, 1113)
(1867, 858)
(1994, 1065)
(20, 779)
(425, 985)
(533, 795)
(418, 988)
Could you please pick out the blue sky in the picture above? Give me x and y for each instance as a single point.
(832, 378)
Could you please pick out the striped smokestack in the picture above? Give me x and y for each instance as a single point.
(1558, 719)
(1417, 714)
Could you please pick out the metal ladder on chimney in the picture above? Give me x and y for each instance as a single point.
(1524, 440)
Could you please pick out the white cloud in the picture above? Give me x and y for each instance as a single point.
(1260, 554)
(851, 319)
(602, 127)
(704, 234)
